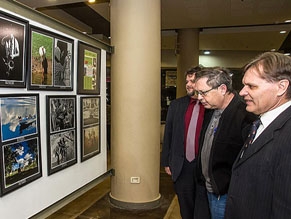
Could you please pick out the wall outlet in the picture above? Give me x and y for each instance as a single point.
(135, 179)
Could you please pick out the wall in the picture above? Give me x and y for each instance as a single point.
(32, 198)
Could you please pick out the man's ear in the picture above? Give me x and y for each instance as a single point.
(223, 89)
(283, 86)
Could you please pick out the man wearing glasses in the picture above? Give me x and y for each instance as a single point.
(223, 133)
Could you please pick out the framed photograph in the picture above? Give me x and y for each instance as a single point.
(61, 136)
(90, 127)
(13, 51)
(20, 141)
(171, 78)
(51, 61)
(88, 75)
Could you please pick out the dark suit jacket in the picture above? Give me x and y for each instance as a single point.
(261, 180)
(173, 144)
(228, 140)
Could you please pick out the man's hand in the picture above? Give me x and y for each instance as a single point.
(168, 171)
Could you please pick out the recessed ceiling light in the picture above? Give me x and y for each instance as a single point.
(283, 31)
(91, 1)
(287, 21)
(273, 50)
(287, 54)
(206, 52)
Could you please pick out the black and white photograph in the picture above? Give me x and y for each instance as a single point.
(62, 113)
(63, 63)
(90, 127)
(61, 132)
(13, 50)
(62, 150)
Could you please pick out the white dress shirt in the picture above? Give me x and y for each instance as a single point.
(268, 117)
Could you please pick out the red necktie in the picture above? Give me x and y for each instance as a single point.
(190, 141)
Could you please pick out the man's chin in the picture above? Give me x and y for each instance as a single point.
(207, 106)
(250, 108)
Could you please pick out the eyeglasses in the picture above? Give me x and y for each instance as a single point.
(204, 93)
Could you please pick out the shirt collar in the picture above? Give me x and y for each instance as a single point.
(270, 116)
(192, 100)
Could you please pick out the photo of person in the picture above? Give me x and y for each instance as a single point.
(88, 69)
(41, 59)
(62, 148)
(12, 46)
(90, 125)
(62, 63)
(62, 113)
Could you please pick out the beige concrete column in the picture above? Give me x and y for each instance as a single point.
(187, 56)
(135, 103)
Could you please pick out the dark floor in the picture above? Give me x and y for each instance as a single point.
(95, 204)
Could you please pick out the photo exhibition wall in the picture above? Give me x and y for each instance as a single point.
(53, 111)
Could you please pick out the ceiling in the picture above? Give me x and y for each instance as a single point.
(225, 25)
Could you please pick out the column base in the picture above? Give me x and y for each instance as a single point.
(135, 206)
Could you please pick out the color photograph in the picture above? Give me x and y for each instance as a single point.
(89, 74)
(41, 59)
(20, 141)
(18, 117)
(21, 161)
(88, 69)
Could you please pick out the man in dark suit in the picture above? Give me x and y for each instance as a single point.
(222, 135)
(174, 156)
(260, 185)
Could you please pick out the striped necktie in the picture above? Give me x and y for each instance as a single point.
(251, 135)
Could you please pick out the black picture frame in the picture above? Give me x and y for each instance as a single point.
(51, 59)
(90, 127)
(89, 59)
(61, 132)
(13, 50)
(20, 151)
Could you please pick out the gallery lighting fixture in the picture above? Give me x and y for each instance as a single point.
(206, 52)
(283, 31)
(91, 1)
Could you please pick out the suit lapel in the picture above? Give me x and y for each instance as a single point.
(266, 136)
(258, 144)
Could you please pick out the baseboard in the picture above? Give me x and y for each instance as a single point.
(69, 198)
